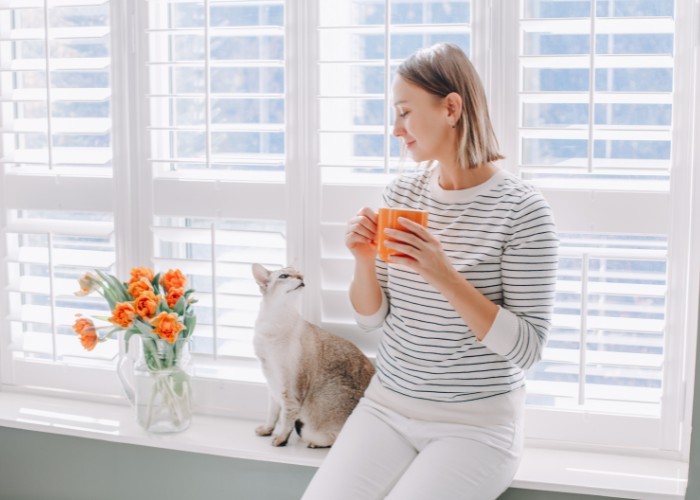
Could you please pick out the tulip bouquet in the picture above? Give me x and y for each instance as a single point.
(156, 307)
(160, 309)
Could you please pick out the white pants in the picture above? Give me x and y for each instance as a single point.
(381, 454)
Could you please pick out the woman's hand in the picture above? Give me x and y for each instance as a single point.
(361, 235)
(422, 251)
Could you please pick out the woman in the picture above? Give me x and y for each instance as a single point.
(463, 314)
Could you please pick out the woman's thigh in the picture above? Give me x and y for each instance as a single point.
(365, 461)
(459, 468)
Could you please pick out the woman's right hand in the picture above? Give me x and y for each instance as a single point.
(361, 234)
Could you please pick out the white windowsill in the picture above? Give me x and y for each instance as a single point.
(541, 469)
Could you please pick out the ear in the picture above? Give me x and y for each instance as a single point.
(261, 275)
(453, 103)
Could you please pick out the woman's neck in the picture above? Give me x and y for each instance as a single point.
(452, 177)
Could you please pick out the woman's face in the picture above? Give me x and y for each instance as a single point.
(422, 122)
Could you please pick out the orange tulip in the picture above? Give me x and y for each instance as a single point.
(89, 341)
(142, 285)
(88, 284)
(167, 326)
(173, 279)
(173, 296)
(123, 314)
(141, 272)
(88, 335)
(82, 325)
(146, 304)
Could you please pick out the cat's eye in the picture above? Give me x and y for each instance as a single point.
(284, 276)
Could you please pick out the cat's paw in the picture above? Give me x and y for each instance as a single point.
(279, 440)
(264, 430)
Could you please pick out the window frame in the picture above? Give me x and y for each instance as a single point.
(132, 194)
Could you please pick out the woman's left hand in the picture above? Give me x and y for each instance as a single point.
(422, 251)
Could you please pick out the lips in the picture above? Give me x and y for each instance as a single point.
(410, 144)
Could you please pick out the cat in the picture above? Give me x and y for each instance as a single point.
(315, 378)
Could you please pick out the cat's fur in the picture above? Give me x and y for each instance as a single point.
(315, 378)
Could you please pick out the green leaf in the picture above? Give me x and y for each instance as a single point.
(117, 288)
(150, 353)
(190, 323)
(169, 355)
(162, 307)
(144, 328)
(180, 306)
(156, 282)
(179, 378)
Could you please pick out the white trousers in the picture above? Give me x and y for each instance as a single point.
(381, 454)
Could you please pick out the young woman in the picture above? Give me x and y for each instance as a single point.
(463, 314)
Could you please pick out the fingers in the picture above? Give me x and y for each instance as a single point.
(403, 249)
(369, 213)
(358, 227)
(363, 226)
(415, 228)
(404, 237)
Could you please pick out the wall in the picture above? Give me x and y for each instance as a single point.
(42, 466)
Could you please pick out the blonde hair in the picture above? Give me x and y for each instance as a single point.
(443, 69)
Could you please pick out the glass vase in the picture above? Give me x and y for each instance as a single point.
(161, 392)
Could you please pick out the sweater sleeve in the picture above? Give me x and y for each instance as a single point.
(528, 274)
(375, 320)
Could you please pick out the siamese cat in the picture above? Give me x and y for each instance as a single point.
(315, 378)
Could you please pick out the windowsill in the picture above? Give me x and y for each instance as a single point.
(541, 469)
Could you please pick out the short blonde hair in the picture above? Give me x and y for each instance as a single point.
(443, 69)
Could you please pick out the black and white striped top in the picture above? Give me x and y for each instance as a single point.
(501, 237)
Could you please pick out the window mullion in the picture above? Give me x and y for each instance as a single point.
(303, 177)
(498, 63)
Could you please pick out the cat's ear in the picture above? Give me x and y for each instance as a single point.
(261, 275)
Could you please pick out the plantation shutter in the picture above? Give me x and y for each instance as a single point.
(594, 122)
(57, 185)
(216, 136)
(360, 44)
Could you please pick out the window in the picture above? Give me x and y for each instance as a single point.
(216, 88)
(57, 160)
(598, 91)
(211, 134)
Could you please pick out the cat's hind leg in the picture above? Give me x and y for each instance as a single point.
(317, 438)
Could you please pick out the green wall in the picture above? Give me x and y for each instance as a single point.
(42, 466)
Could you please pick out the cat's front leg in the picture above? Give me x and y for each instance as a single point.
(289, 415)
(273, 413)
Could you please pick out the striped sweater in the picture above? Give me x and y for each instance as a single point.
(500, 236)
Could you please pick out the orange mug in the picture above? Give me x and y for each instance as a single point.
(389, 218)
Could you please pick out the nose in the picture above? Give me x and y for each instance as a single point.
(398, 130)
